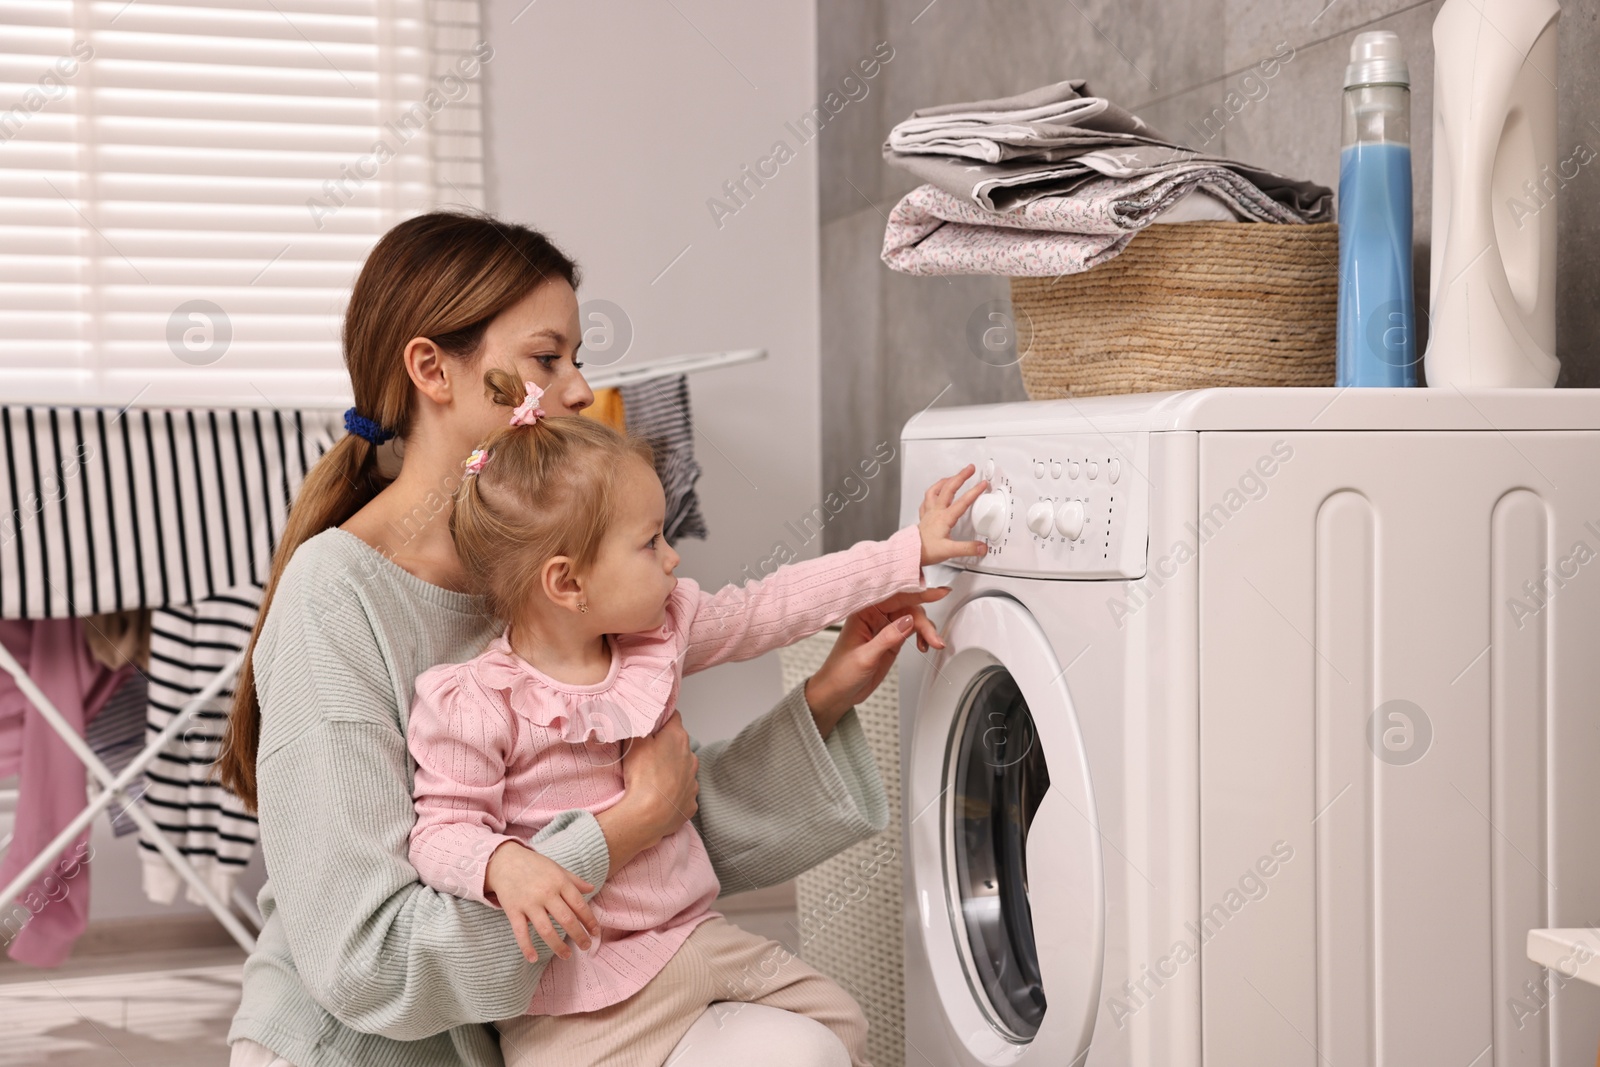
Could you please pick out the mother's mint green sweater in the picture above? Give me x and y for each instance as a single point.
(359, 963)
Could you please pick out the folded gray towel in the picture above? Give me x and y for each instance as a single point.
(1023, 126)
(1003, 154)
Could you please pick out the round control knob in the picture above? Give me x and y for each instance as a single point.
(1042, 518)
(1114, 470)
(1069, 519)
(1055, 468)
(990, 514)
(1072, 468)
(1094, 468)
(1038, 468)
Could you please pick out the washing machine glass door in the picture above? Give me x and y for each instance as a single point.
(999, 776)
(1014, 955)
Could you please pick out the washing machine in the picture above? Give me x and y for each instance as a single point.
(1265, 731)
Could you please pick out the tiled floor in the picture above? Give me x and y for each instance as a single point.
(137, 1010)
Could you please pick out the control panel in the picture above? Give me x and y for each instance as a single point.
(1061, 507)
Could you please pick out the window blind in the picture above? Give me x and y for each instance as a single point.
(187, 189)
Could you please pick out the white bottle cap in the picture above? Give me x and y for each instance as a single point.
(1376, 59)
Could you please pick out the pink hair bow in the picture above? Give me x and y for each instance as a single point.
(475, 462)
(528, 412)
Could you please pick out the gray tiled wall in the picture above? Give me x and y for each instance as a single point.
(892, 344)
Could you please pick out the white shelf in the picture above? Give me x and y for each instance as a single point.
(1575, 952)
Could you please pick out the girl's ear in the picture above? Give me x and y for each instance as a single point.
(560, 582)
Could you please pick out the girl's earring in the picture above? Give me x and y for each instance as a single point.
(584, 608)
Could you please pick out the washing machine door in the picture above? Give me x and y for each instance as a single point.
(1007, 874)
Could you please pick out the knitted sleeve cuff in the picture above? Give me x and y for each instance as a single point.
(575, 841)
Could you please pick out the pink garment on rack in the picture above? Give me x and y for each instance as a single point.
(51, 782)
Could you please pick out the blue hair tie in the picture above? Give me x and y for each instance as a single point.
(362, 426)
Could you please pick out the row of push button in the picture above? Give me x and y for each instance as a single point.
(1073, 467)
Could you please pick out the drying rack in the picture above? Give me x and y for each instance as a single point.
(614, 376)
(114, 788)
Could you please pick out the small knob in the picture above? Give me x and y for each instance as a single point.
(1038, 468)
(990, 514)
(1055, 468)
(1114, 470)
(1042, 518)
(1094, 469)
(1069, 519)
(1072, 468)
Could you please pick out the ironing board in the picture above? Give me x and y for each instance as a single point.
(104, 510)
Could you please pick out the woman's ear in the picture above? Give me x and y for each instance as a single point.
(560, 581)
(428, 369)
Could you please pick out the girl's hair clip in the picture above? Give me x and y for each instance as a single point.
(476, 461)
(528, 412)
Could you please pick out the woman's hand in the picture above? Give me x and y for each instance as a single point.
(660, 792)
(535, 889)
(864, 652)
(941, 510)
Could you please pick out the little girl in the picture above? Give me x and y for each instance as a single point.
(559, 523)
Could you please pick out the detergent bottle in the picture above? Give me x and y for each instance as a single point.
(1496, 176)
(1376, 324)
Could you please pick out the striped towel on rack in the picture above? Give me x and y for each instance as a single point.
(208, 824)
(658, 410)
(103, 510)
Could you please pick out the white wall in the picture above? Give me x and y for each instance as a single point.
(609, 125)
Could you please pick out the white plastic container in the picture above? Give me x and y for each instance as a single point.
(1496, 175)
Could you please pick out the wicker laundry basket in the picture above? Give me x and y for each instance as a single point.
(849, 907)
(1186, 306)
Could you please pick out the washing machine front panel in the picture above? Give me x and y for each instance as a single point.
(1058, 507)
(1002, 818)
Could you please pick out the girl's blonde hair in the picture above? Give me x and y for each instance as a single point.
(545, 490)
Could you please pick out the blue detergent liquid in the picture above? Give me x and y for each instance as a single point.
(1377, 322)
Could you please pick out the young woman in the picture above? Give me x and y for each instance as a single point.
(359, 962)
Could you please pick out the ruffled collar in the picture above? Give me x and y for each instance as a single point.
(638, 693)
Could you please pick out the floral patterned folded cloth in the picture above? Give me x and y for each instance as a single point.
(932, 232)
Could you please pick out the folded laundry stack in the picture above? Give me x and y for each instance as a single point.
(1056, 181)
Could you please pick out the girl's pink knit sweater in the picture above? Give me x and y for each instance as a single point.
(502, 749)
